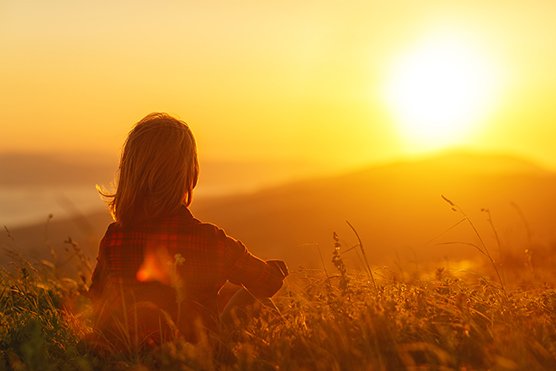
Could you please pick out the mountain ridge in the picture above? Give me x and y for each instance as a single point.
(396, 210)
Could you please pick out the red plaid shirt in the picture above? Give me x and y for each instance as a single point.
(151, 259)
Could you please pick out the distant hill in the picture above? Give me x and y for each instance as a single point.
(396, 208)
(217, 176)
(47, 169)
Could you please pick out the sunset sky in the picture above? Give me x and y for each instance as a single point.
(324, 82)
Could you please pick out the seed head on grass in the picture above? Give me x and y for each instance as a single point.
(339, 264)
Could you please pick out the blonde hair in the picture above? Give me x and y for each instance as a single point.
(158, 170)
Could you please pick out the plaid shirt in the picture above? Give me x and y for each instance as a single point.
(178, 258)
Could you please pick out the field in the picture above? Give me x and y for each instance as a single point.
(481, 314)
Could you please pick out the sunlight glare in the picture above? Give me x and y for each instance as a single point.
(439, 91)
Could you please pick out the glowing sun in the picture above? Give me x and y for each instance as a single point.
(439, 91)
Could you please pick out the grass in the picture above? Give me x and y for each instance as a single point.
(432, 318)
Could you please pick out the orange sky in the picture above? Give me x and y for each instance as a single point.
(255, 80)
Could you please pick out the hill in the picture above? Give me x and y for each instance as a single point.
(396, 208)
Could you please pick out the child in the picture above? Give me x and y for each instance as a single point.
(159, 270)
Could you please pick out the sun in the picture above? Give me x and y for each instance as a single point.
(439, 91)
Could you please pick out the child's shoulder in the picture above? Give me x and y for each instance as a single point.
(204, 227)
(181, 222)
(208, 229)
(212, 232)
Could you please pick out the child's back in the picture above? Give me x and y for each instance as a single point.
(157, 264)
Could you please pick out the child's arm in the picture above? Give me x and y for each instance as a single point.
(98, 279)
(280, 265)
(262, 279)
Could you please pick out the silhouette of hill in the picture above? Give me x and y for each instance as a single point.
(48, 169)
(70, 169)
(396, 208)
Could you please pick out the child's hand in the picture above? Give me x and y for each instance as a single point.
(280, 266)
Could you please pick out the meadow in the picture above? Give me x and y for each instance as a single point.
(489, 313)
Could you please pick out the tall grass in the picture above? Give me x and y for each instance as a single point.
(434, 318)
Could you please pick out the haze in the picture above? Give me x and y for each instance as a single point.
(288, 81)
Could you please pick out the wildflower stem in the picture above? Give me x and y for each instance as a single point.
(367, 265)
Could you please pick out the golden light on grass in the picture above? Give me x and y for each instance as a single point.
(440, 90)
